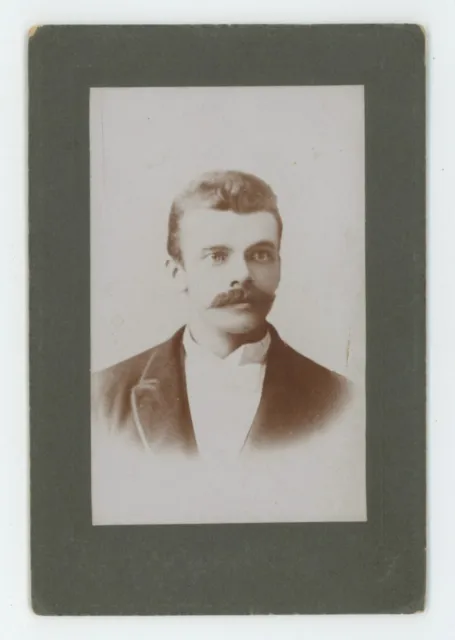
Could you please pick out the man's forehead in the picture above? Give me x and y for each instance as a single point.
(205, 225)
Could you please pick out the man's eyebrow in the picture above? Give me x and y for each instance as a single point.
(262, 243)
(215, 247)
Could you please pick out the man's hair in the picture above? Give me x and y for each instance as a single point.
(225, 191)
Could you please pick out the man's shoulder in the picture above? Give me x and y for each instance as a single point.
(130, 367)
(299, 363)
(110, 387)
(300, 372)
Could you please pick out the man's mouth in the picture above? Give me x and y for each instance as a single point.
(236, 300)
(241, 305)
(241, 299)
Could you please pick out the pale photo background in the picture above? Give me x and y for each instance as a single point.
(308, 144)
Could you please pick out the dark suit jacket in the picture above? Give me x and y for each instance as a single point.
(145, 396)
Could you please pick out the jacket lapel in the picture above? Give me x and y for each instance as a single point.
(274, 408)
(159, 401)
(296, 395)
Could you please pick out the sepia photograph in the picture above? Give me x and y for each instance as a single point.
(227, 304)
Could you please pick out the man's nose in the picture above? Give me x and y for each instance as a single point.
(240, 272)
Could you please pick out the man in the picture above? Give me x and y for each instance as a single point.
(226, 382)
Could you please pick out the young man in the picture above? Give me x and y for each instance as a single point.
(226, 381)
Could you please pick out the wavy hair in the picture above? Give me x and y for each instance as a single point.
(235, 191)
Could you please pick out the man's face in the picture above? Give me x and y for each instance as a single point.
(231, 266)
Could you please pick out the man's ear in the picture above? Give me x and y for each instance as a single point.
(177, 274)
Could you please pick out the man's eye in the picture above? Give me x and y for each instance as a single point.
(262, 255)
(218, 256)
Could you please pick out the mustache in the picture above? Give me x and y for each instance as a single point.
(237, 296)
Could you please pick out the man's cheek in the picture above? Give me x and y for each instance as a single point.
(202, 291)
(267, 279)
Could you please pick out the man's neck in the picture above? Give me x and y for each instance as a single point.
(219, 342)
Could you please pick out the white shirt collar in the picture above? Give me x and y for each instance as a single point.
(250, 353)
